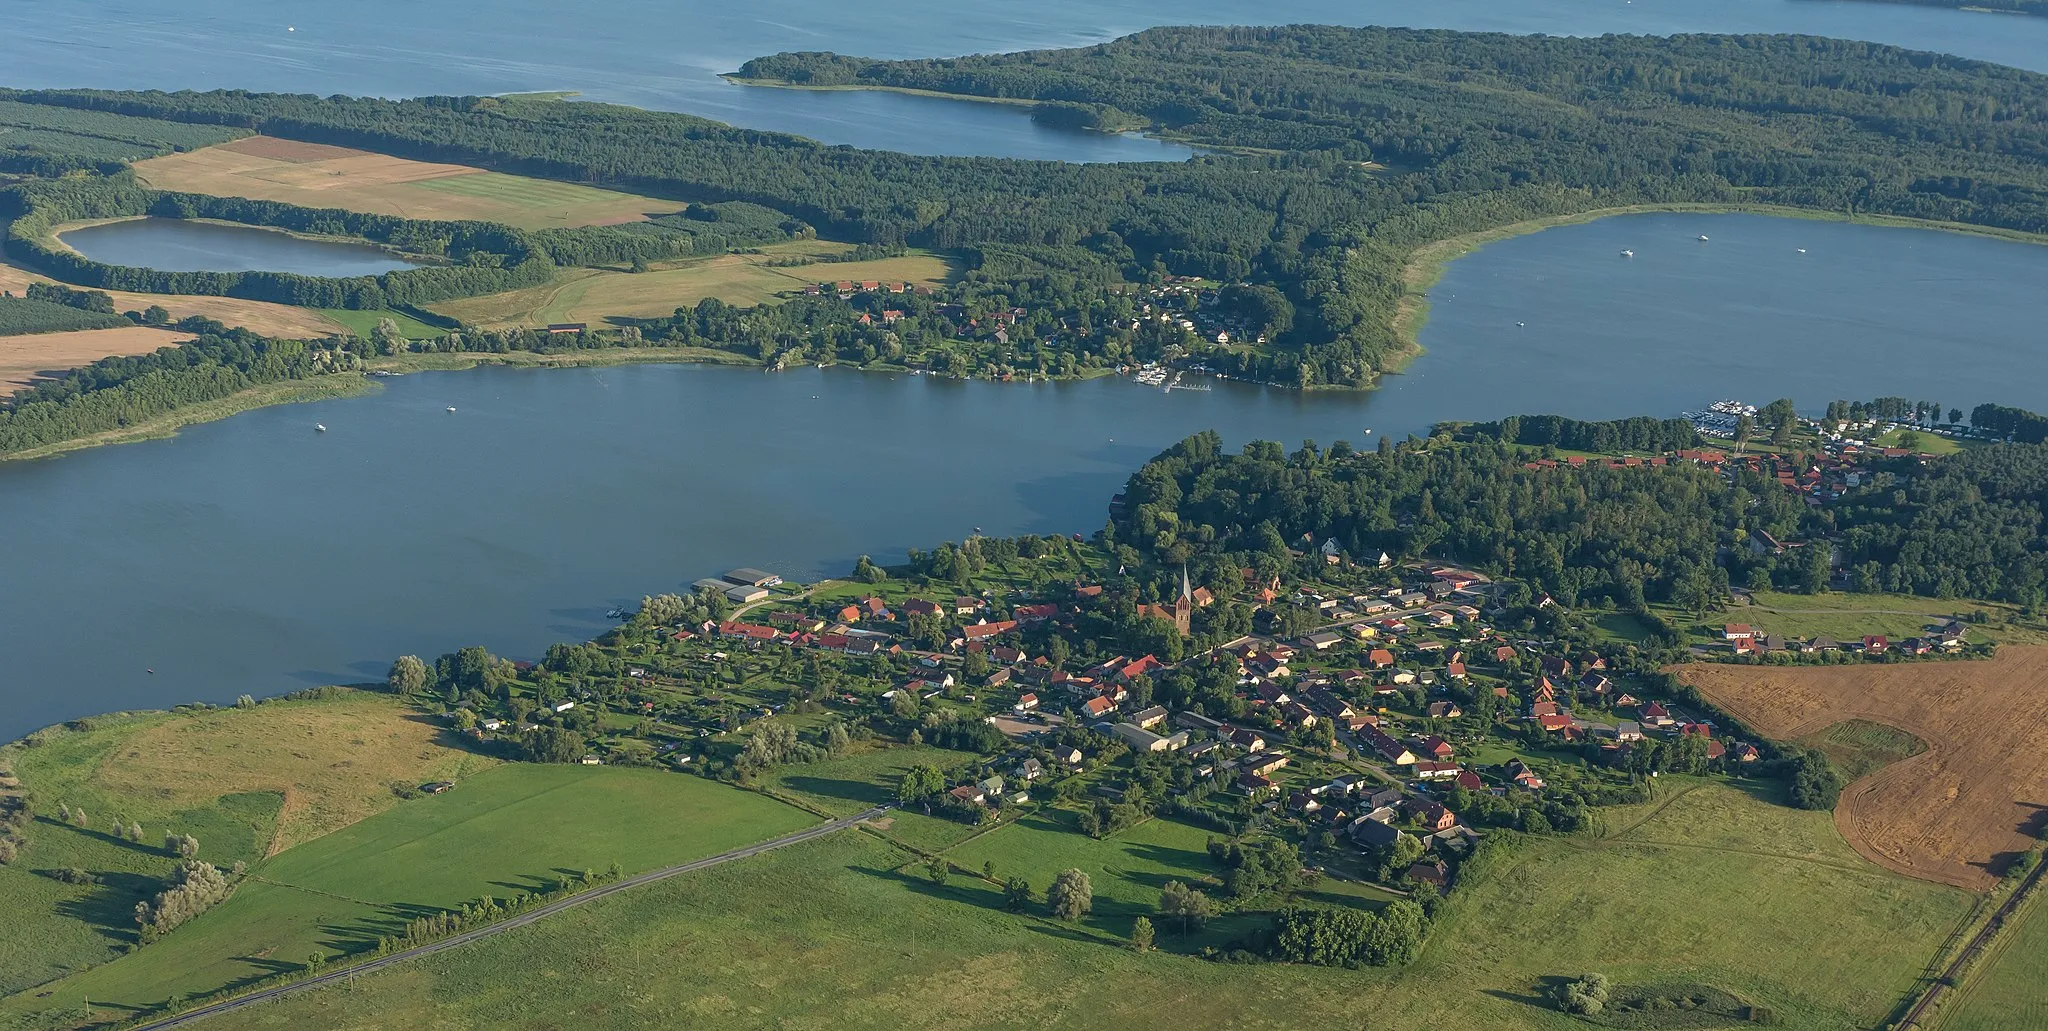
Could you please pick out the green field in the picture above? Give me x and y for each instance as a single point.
(1849, 616)
(513, 828)
(865, 779)
(2009, 989)
(1749, 897)
(361, 323)
(1859, 748)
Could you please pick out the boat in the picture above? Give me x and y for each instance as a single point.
(1628, 254)
(1703, 238)
(1801, 250)
(451, 408)
(319, 427)
(1521, 323)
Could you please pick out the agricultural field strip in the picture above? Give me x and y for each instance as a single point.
(522, 920)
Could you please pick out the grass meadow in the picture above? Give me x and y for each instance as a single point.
(2006, 990)
(1709, 884)
(513, 828)
(1860, 747)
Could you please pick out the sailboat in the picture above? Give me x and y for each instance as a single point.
(1628, 254)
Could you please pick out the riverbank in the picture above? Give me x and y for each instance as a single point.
(1427, 264)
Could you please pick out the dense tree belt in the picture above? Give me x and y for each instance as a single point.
(1968, 525)
(1465, 131)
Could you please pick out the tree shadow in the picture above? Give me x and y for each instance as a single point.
(1545, 990)
(832, 787)
(110, 907)
(102, 836)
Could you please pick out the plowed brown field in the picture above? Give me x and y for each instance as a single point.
(1955, 813)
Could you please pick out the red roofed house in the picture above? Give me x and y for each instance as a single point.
(1436, 747)
(921, 607)
(984, 631)
(1380, 658)
(1504, 653)
(1034, 613)
(1098, 706)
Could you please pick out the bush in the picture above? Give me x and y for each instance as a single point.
(1586, 996)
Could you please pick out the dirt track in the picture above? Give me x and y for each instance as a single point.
(1953, 813)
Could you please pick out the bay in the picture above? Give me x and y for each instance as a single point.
(257, 555)
(178, 245)
(666, 55)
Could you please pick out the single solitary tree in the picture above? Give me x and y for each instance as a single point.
(1071, 896)
(408, 676)
(1141, 935)
(1017, 895)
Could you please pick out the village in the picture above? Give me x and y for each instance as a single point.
(1399, 722)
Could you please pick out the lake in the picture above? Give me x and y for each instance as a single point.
(257, 555)
(177, 245)
(667, 55)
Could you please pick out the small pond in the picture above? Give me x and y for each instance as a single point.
(176, 245)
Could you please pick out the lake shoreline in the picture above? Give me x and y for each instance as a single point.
(1428, 263)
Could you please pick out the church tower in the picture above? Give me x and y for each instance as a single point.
(1184, 606)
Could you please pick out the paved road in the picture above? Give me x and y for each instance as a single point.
(819, 831)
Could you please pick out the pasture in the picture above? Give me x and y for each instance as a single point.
(316, 175)
(27, 359)
(595, 296)
(245, 782)
(2005, 991)
(839, 933)
(513, 828)
(1955, 813)
(362, 323)
(1850, 616)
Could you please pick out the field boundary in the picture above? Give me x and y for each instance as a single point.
(491, 930)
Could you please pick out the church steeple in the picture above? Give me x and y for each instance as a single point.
(1184, 606)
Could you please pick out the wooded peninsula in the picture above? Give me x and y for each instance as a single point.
(1332, 157)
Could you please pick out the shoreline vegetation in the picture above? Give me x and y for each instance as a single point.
(1301, 259)
(308, 801)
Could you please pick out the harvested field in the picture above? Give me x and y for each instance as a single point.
(319, 176)
(278, 320)
(594, 296)
(1956, 813)
(26, 359)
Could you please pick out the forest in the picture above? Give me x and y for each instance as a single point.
(1340, 152)
(1965, 526)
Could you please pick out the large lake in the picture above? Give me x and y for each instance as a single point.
(257, 555)
(667, 55)
(177, 245)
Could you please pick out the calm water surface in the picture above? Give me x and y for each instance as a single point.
(257, 555)
(176, 245)
(661, 54)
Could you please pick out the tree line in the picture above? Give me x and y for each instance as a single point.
(1346, 150)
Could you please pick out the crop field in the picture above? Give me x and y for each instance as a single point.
(512, 828)
(319, 176)
(839, 934)
(1955, 813)
(592, 295)
(26, 359)
(21, 316)
(278, 320)
(2006, 990)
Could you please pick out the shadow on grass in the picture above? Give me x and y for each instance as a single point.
(830, 787)
(110, 907)
(103, 836)
(1546, 989)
